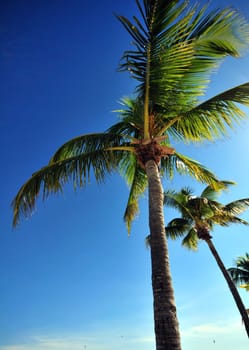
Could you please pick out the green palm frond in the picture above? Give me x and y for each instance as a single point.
(177, 228)
(52, 178)
(190, 241)
(131, 118)
(187, 166)
(89, 144)
(212, 194)
(237, 207)
(176, 48)
(225, 26)
(243, 262)
(240, 273)
(179, 201)
(73, 162)
(136, 179)
(211, 119)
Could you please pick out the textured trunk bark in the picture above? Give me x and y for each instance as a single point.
(165, 319)
(231, 286)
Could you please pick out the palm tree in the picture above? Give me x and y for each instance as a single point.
(175, 49)
(240, 273)
(199, 215)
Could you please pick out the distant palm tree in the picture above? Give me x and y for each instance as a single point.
(199, 215)
(175, 49)
(240, 273)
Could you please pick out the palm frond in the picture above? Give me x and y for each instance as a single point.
(137, 181)
(237, 207)
(190, 241)
(187, 166)
(221, 31)
(179, 201)
(176, 48)
(131, 119)
(73, 162)
(88, 144)
(52, 178)
(212, 118)
(239, 275)
(177, 228)
(211, 194)
(225, 219)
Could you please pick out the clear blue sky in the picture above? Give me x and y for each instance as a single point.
(71, 278)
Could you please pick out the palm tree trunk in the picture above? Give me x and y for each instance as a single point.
(231, 286)
(165, 319)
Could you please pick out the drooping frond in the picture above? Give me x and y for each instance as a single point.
(136, 179)
(177, 228)
(74, 161)
(52, 178)
(190, 241)
(187, 166)
(212, 194)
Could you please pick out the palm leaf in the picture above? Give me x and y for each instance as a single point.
(137, 180)
(190, 241)
(52, 178)
(239, 275)
(176, 49)
(211, 118)
(177, 228)
(237, 207)
(187, 166)
(211, 194)
(179, 201)
(88, 144)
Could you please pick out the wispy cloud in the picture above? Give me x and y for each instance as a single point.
(229, 336)
(103, 341)
(212, 328)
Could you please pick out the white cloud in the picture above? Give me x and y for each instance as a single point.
(229, 336)
(103, 341)
(212, 328)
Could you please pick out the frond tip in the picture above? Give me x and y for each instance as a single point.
(73, 162)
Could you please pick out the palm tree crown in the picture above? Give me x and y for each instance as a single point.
(199, 215)
(240, 273)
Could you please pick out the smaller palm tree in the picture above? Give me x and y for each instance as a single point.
(240, 273)
(199, 215)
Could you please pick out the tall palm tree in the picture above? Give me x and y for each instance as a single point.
(199, 215)
(175, 49)
(240, 273)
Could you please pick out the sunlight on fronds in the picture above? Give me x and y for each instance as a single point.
(198, 213)
(187, 166)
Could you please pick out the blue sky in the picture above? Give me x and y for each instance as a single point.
(71, 278)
